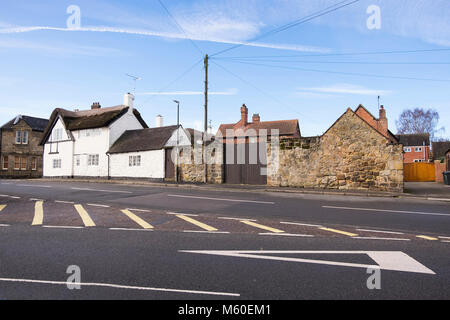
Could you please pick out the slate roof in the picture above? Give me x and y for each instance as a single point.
(89, 119)
(440, 149)
(414, 140)
(36, 124)
(142, 140)
(285, 127)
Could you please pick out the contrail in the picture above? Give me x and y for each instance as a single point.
(164, 35)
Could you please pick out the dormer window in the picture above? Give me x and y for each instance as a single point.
(21, 137)
(57, 134)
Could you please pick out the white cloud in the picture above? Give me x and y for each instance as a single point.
(65, 50)
(345, 89)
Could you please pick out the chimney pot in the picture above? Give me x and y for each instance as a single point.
(256, 118)
(96, 105)
(159, 121)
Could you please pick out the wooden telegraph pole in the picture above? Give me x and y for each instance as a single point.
(206, 121)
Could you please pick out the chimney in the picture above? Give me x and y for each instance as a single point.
(383, 121)
(128, 100)
(159, 121)
(96, 105)
(244, 115)
(256, 118)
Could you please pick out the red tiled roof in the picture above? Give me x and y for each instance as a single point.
(285, 127)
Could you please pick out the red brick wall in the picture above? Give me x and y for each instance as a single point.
(439, 168)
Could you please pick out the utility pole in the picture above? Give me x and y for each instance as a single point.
(178, 139)
(206, 121)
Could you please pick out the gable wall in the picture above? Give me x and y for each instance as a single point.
(350, 156)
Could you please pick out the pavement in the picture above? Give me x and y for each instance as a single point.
(158, 242)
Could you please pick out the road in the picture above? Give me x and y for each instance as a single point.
(151, 242)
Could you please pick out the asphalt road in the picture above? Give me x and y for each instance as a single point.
(263, 246)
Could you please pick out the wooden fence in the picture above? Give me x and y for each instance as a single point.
(419, 172)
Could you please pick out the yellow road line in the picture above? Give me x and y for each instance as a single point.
(340, 232)
(428, 238)
(3, 206)
(38, 214)
(136, 219)
(84, 216)
(260, 226)
(197, 223)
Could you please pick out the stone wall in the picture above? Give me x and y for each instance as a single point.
(351, 155)
(192, 166)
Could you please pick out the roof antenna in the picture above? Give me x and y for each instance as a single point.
(135, 78)
(378, 102)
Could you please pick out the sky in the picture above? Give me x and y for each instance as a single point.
(311, 71)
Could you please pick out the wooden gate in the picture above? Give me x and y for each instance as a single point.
(247, 172)
(419, 172)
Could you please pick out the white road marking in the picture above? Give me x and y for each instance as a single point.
(446, 241)
(184, 214)
(4, 225)
(129, 229)
(14, 197)
(4, 195)
(386, 260)
(377, 238)
(285, 234)
(99, 190)
(139, 210)
(117, 286)
(196, 231)
(61, 201)
(383, 210)
(63, 227)
(219, 199)
(240, 219)
(34, 199)
(379, 231)
(438, 199)
(445, 238)
(98, 205)
(302, 224)
(30, 185)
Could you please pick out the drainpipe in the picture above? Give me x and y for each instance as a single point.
(109, 176)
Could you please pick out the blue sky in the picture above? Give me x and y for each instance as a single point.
(49, 66)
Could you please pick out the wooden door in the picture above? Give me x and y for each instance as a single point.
(169, 165)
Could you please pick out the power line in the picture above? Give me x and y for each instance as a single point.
(342, 73)
(343, 62)
(174, 81)
(261, 91)
(310, 17)
(180, 27)
(339, 54)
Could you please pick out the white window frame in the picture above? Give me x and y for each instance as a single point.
(77, 161)
(57, 163)
(57, 135)
(407, 149)
(418, 149)
(134, 161)
(18, 137)
(93, 160)
(34, 165)
(24, 137)
(3, 162)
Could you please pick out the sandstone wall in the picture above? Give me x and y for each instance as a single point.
(192, 167)
(350, 156)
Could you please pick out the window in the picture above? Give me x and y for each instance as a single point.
(16, 163)
(134, 161)
(77, 161)
(418, 149)
(419, 160)
(5, 164)
(34, 163)
(21, 137)
(57, 134)
(93, 160)
(18, 137)
(23, 163)
(407, 149)
(56, 163)
(24, 137)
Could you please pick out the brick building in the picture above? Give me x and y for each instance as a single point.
(416, 147)
(21, 154)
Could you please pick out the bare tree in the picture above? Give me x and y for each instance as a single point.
(419, 121)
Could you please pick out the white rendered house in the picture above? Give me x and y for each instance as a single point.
(76, 142)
